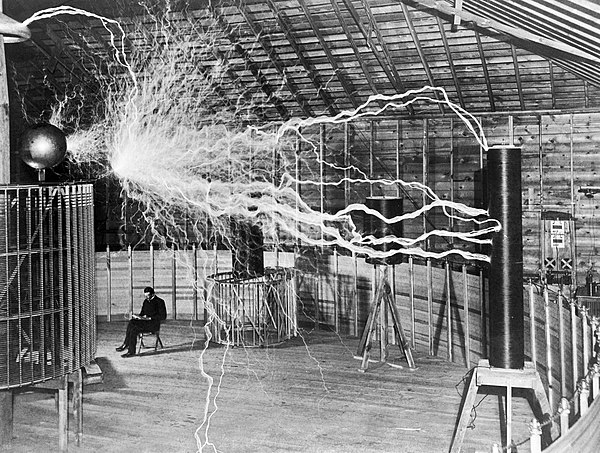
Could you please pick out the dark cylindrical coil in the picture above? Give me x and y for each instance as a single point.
(247, 246)
(389, 207)
(506, 265)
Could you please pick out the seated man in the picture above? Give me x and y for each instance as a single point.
(153, 312)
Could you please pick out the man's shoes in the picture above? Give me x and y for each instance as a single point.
(128, 354)
(121, 348)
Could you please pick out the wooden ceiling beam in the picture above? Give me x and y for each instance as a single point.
(486, 73)
(51, 56)
(456, 19)
(388, 66)
(274, 58)
(234, 78)
(359, 58)
(419, 48)
(251, 65)
(461, 99)
(241, 89)
(330, 58)
(552, 83)
(494, 25)
(518, 76)
(100, 39)
(282, 21)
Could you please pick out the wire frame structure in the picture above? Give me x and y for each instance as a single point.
(252, 312)
(47, 293)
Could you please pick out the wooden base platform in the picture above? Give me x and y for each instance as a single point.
(304, 395)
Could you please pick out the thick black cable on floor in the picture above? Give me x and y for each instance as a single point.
(507, 347)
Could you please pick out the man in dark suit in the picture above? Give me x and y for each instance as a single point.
(153, 312)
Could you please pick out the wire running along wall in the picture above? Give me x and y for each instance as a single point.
(47, 274)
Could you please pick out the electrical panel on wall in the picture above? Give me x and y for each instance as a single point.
(558, 248)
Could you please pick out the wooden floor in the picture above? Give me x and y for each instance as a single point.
(305, 395)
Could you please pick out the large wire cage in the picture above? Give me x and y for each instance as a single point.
(253, 311)
(47, 296)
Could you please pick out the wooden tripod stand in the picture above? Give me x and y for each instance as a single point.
(483, 374)
(383, 301)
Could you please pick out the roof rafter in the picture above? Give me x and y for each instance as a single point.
(486, 73)
(417, 42)
(282, 21)
(440, 23)
(251, 65)
(336, 69)
(354, 47)
(490, 24)
(383, 57)
(275, 60)
(517, 76)
(552, 84)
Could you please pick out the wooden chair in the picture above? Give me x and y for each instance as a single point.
(158, 341)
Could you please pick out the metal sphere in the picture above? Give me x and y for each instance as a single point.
(42, 146)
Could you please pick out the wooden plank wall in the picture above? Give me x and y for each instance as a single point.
(555, 328)
(335, 292)
(559, 155)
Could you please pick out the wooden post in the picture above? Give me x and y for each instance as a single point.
(398, 147)
(451, 217)
(425, 181)
(574, 362)
(465, 276)
(174, 283)
(4, 117)
(108, 284)
(151, 264)
(535, 439)
(548, 345)
(584, 392)
(449, 311)
(532, 323)
(430, 306)
(317, 297)
(78, 405)
(564, 410)
(393, 288)
(586, 338)
(195, 284)
(561, 339)
(130, 262)
(336, 294)
(322, 173)
(6, 417)
(355, 292)
(374, 286)
(484, 314)
(346, 166)
(411, 273)
(63, 414)
(371, 156)
(595, 380)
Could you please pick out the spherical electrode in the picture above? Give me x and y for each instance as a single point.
(42, 146)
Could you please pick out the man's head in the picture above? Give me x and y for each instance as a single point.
(148, 292)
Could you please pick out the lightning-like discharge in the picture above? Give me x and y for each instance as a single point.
(181, 149)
